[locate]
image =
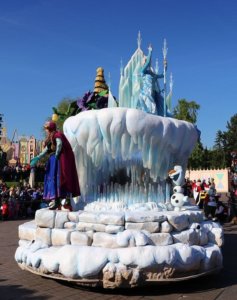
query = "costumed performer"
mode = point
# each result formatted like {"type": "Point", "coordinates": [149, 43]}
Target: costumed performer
{"type": "Point", "coordinates": [150, 94]}
{"type": "Point", "coordinates": [60, 180]}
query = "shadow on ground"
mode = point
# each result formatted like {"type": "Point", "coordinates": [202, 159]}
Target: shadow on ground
{"type": "Point", "coordinates": [18, 292]}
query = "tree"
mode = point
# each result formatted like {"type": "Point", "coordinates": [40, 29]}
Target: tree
{"type": "Point", "coordinates": [196, 158]}
{"type": "Point", "coordinates": [231, 134]}
{"type": "Point", "coordinates": [186, 111]}
{"type": "Point", "coordinates": [220, 140]}
{"type": "Point", "coordinates": [217, 159]}
{"type": "Point", "coordinates": [63, 107]}
{"type": "Point", "coordinates": [218, 153]}
{"type": "Point", "coordinates": [226, 141]}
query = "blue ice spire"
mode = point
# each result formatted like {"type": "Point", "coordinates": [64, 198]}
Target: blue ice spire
{"type": "Point", "coordinates": [139, 40]}
{"type": "Point", "coordinates": [165, 51]}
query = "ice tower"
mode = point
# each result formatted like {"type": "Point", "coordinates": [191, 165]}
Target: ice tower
{"type": "Point", "coordinates": [124, 153]}
{"type": "Point", "coordinates": [139, 85]}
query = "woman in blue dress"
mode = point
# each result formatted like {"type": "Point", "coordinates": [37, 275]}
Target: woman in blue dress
{"type": "Point", "coordinates": [60, 180]}
{"type": "Point", "coordinates": [149, 97]}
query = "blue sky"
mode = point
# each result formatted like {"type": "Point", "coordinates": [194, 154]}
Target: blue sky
{"type": "Point", "coordinates": [50, 49]}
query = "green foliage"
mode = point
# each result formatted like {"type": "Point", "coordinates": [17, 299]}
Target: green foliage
{"type": "Point", "coordinates": [225, 143]}
{"type": "Point", "coordinates": [64, 109]}
{"type": "Point", "coordinates": [13, 184]}
{"type": "Point", "coordinates": [217, 159]}
{"type": "Point", "coordinates": [231, 134]}
{"type": "Point", "coordinates": [195, 160]}
{"type": "Point", "coordinates": [220, 155]}
{"type": "Point", "coordinates": [186, 111]}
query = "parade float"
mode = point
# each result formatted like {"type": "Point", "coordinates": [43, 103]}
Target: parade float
{"type": "Point", "coordinates": [132, 225]}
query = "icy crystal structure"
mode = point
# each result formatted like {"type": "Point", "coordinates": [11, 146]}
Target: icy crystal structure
{"type": "Point", "coordinates": [125, 154]}
{"type": "Point", "coordinates": [130, 80]}
{"type": "Point", "coordinates": [139, 85]}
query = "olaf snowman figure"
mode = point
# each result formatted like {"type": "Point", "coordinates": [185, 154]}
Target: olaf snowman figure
{"type": "Point", "coordinates": [177, 199]}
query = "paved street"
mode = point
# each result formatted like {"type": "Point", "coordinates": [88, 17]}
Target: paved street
{"type": "Point", "coordinates": [18, 284]}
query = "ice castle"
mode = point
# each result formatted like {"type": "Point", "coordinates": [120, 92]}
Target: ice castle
{"type": "Point", "coordinates": [124, 153]}
{"type": "Point", "coordinates": [134, 84]}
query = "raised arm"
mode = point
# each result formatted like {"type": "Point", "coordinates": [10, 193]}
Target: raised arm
{"type": "Point", "coordinates": [148, 60]}
{"type": "Point", "coordinates": [59, 145]}
{"type": "Point", "coordinates": [34, 160]}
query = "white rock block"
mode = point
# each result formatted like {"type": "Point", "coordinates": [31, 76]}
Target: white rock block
{"type": "Point", "coordinates": [161, 239]}
{"type": "Point", "coordinates": [70, 225]}
{"type": "Point", "coordinates": [80, 238]}
{"type": "Point", "coordinates": [132, 238]}
{"type": "Point", "coordinates": [90, 233]}
{"type": "Point", "coordinates": [203, 238]}
{"type": "Point", "coordinates": [107, 218]}
{"type": "Point", "coordinates": [60, 237]}
{"type": "Point", "coordinates": [202, 232]}
{"type": "Point", "coordinates": [178, 221]}
{"type": "Point", "coordinates": [73, 216]}
{"type": "Point", "coordinates": [114, 228]}
{"type": "Point", "coordinates": [145, 216]}
{"type": "Point", "coordinates": [189, 236]}
{"type": "Point", "coordinates": [82, 226]}
{"type": "Point", "coordinates": [27, 231]}
{"type": "Point", "coordinates": [195, 216]}
{"type": "Point", "coordinates": [24, 243]}
{"type": "Point", "coordinates": [213, 258]}
{"type": "Point", "coordinates": [208, 225]}
{"type": "Point", "coordinates": [61, 218]}
{"type": "Point", "coordinates": [111, 218]}
{"type": "Point", "coordinates": [44, 234]}
{"type": "Point", "coordinates": [166, 227]}
{"type": "Point", "coordinates": [89, 217]}
{"type": "Point", "coordinates": [216, 236]}
{"type": "Point", "coordinates": [104, 240]}
{"type": "Point", "coordinates": [149, 226]}
{"type": "Point", "coordinates": [45, 217]}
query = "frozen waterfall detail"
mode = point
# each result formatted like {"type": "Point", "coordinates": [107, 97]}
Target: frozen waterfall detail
{"type": "Point", "coordinates": [125, 154]}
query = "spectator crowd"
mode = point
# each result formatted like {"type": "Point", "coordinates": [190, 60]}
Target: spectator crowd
{"type": "Point", "coordinates": [19, 202]}
{"type": "Point", "coordinates": [20, 173]}
{"type": "Point", "coordinates": [206, 197]}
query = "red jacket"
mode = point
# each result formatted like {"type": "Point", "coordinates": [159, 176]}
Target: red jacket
{"type": "Point", "coordinates": [4, 209]}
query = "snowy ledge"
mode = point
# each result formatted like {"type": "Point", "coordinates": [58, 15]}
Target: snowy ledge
{"type": "Point", "coordinates": [122, 249]}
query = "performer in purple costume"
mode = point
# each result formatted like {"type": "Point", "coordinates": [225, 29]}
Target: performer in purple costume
{"type": "Point", "coordinates": [61, 178]}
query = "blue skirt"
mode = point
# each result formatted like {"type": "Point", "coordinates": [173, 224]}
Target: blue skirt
{"type": "Point", "coordinates": [52, 179]}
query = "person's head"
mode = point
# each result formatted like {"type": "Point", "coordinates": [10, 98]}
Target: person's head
{"type": "Point", "coordinates": [12, 191]}
{"type": "Point", "coordinates": [50, 126]}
